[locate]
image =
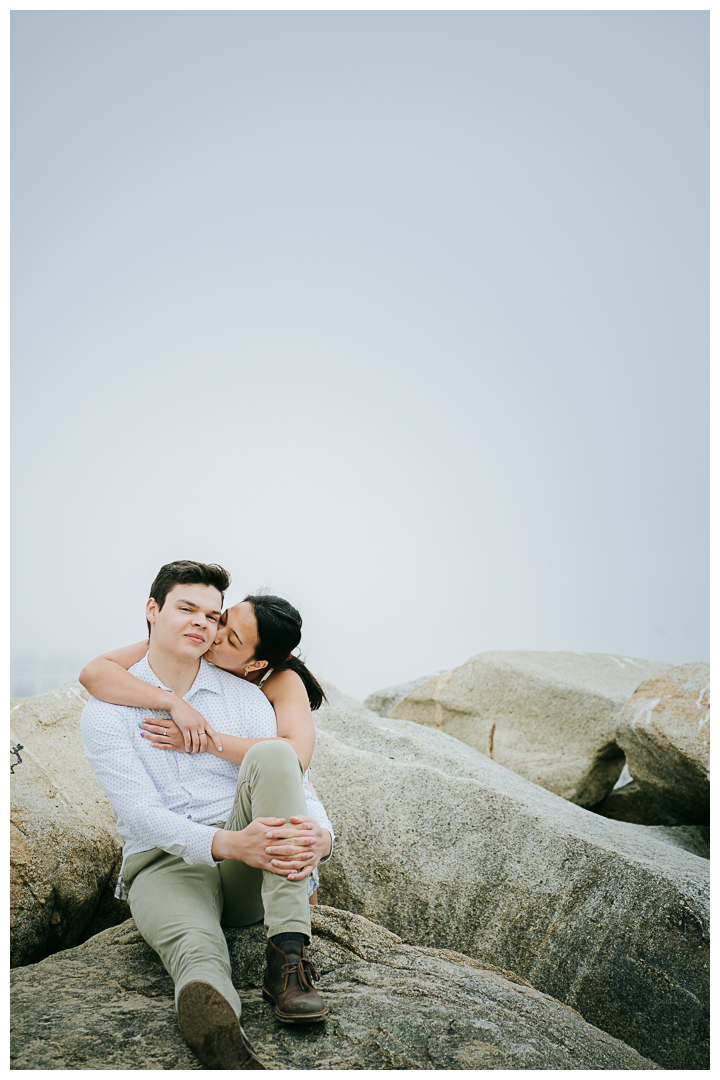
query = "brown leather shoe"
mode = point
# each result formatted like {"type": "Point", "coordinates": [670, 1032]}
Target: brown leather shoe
{"type": "Point", "coordinates": [288, 986]}
{"type": "Point", "coordinates": [212, 1030]}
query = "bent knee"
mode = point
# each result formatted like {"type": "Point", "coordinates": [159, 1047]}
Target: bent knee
{"type": "Point", "coordinates": [275, 752]}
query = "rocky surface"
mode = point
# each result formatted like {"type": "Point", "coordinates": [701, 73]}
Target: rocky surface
{"type": "Point", "coordinates": [449, 849]}
{"type": "Point", "coordinates": [109, 1005]}
{"type": "Point", "coordinates": [693, 838]}
{"type": "Point", "coordinates": [549, 716]}
{"type": "Point", "coordinates": [664, 731]}
{"type": "Point", "coordinates": [64, 850]}
{"type": "Point", "coordinates": [631, 802]}
{"type": "Point", "coordinates": [383, 701]}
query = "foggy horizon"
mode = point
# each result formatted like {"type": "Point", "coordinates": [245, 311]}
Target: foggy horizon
{"type": "Point", "coordinates": [400, 315]}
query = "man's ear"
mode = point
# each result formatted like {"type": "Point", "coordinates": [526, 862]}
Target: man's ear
{"type": "Point", "coordinates": [151, 610]}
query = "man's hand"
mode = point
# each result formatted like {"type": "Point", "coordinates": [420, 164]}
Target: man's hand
{"type": "Point", "coordinates": [298, 857]}
{"type": "Point", "coordinates": [250, 845]}
{"type": "Point", "coordinates": [193, 726]}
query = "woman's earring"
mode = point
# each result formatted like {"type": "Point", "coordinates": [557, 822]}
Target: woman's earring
{"type": "Point", "coordinates": [246, 670]}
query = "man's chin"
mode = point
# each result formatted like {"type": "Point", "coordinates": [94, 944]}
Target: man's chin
{"type": "Point", "coordinates": [195, 651]}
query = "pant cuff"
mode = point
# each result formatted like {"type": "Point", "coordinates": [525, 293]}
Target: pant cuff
{"type": "Point", "coordinates": [289, 928]}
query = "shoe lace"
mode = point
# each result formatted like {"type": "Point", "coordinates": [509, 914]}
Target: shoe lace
{"type": "Point", "coordinates": [305, 971]}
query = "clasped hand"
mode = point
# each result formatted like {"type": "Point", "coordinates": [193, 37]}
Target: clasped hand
{"type": "Point", "coordinates": [187, 731]}
{"type": "Point", "coordinates": [298, 847]}
{"type": "Point", "coordinates": [292, 850]}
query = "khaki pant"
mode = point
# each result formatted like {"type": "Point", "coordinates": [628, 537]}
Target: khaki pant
{"type": "Point", "coordinates": [178, 908]}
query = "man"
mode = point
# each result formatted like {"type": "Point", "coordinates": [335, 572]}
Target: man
{"type": "Point", "coordinates": [197, 835]}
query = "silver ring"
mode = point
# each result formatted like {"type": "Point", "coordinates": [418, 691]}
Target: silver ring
{"type": "Point", "coordinates": [166, 730]}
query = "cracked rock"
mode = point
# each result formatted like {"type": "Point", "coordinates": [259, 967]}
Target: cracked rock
{"type": "Point", "coordinates": [448, 849]}
{"type": "Point", "coordinates": [108, 1004]}
{"type": "Point", "coordinates": [549, 716]}
{"type": "Point", "coordinates": [664, 730]}
{"type": "Point", "coordinates": [64, 849]}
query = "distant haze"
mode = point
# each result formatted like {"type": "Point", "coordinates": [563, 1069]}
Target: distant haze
{"type": "Point", "coordinates": [403, 315]}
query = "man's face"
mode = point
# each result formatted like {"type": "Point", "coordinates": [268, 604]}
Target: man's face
{"type": "Point", "coordinates": [187, 623]}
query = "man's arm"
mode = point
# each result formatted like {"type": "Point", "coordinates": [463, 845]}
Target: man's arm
{"type": "Point", "coordinates": [140, 811]}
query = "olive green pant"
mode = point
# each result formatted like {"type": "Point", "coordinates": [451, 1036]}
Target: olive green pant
{"type": "Point", "coordinates": [179, 908]}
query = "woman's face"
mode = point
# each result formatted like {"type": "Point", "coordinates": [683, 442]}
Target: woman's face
{"type": "Point", "coordinates": [236, 641]}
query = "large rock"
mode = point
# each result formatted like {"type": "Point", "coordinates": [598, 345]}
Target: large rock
{"type": "Point", "coordinates": [449, 849]}
{"type": "Point", "coordinates": [694, 838]}
{"type": "Point", "coordinates": [109, 1005]}
{"type": "Point", "coordinates": [550, 717]}
{"type": "Point", "coordinates": [65, 853]}
{"type": "Point", "coordinates": [637, 804]}
{"type": "Point", "coordinates": [664, 731]}
{"type": "Point", "coordinates": [384, 701]}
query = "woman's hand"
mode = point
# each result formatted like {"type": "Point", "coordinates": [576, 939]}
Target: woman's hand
{"type": "Point", "coordinates": [167, 735]}
{"type": "Point", "coordinates": [301, 846]}
{"type": "Point", "coordinates": [163, 735]}
{"type": "Point", "coordinates": [193, 726]}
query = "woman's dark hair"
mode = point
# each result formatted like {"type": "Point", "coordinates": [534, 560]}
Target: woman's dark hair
{"type": "Point", "coordinates": [279, 631]}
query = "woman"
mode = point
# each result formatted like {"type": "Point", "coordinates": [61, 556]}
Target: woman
{"type": "Point", "coordinates": [254, 641]}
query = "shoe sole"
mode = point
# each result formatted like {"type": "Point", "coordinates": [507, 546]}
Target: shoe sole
{"type": "Point", "coordinates": [212, 1030]}
{"type": "Point", "coordinates": [288, 1018]}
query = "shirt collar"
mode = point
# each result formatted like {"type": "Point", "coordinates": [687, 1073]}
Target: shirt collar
{"type": "Point", "coordinates": [207, 677]}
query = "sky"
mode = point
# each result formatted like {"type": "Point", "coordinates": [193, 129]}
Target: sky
{"type": "Point", "coordinates": [400, 315]}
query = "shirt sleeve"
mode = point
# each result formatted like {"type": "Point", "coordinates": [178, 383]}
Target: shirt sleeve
{"type": "Point", "coordinates": [141, 815]}
{"type": "Point", "coordinates": [317, 811]}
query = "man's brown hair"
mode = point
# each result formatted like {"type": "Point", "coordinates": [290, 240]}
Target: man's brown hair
{"type": "Point", "coordinates": [186, 572]}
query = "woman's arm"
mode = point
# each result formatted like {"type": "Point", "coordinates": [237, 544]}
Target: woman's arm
{"type": "Point", "coordinates": [166, 735]}
{"type": "Point", "coordinates": [108, 679]}
{"type": "Point", "coordinates": [286, 693]}
{"type": "Point", "coordinates": [288, 697]}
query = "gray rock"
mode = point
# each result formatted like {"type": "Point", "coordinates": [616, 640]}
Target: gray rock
{"type": "Point", "coordinates": [337, 698]}
{"type": "Point", "coordinates": [383, 701]}
{"type": "Point", "coordinates": [109, 1005]}
{"type": "Point", "coordinates": [631, 802]}
{"type": "Point", "coordinates": [664, 730]}
{"type": "Point", "coordinates": [694, 838]}
{"type": "Point", "coordinates": [449, 849]}
{"type": "Point", "coordinates": [549, 716]}
{"type": "Point", "coordinates": [65, 853]}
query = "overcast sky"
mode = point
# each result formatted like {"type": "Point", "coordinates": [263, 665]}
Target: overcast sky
{"type": "Point", "coordinates": [401, 315]}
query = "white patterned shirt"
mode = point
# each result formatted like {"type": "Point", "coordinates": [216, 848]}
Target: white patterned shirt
{"type": "Point", "coordinates": [172, 800]}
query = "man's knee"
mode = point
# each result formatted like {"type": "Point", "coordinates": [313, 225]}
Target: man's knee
{"type": "Point", "coordinates": [274, 754]}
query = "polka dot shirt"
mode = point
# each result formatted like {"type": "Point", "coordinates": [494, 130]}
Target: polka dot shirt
{"type": "Point", "coordinates": [172, 800]}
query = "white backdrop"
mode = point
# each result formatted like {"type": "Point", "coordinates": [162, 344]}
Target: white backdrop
{"type": "Point", "coordinates": [402, 315]}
